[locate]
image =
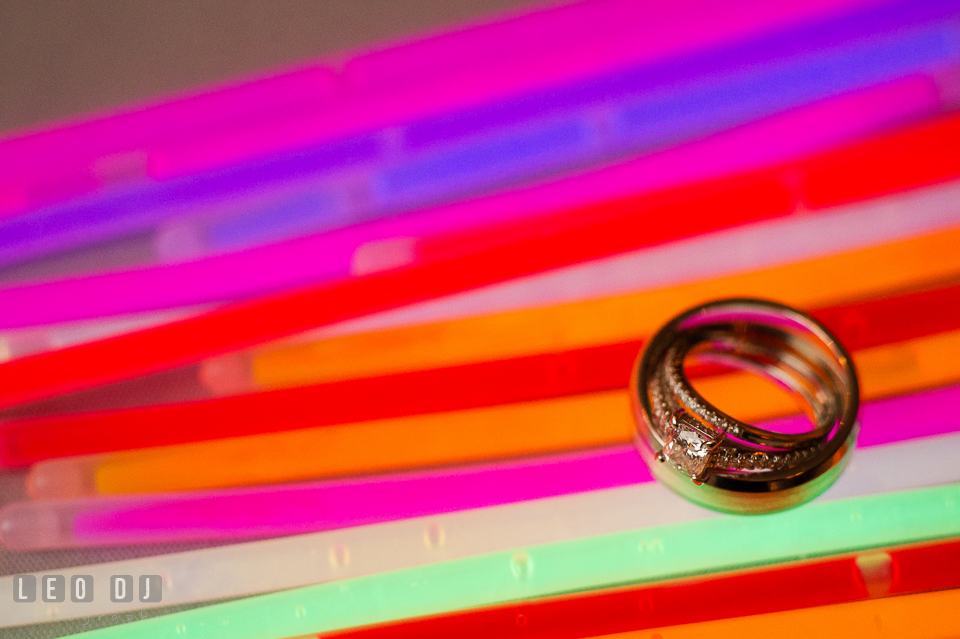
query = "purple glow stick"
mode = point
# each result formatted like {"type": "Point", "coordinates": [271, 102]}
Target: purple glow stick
{"type": "Point", "coordinates": [316, 506]}
{"type": "Point", "coordinates": [489, 63]}
{"type": "Point", "coordinates": [391, 242]}
{"type": "Point", "coordinates": [479, 63]}
{"type": "Point", "coordinates": [560, 132]}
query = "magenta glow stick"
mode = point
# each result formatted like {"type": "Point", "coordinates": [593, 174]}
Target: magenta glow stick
{"type": "Point", "coordinates": [512, 141]}
{"type": "Point", "coordinates": [91, 155]}
{"type": "Point", "coordinates": [391, 242]}
{"type": "Point", "coordinates": [489, 63]}
{"type": "Point", "coordinates": [478, 64]}
{"type": "Point", "coordinates": [316, 506]}
{"type": "Point", "coordinates": [799, 132]}
{"type": "Point", "coordinates": [581, 35]}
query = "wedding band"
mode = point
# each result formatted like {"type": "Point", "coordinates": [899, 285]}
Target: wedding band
{"type": "Point", "coordinates": [718, 461]}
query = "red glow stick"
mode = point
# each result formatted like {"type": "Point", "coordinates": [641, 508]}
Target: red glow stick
{"type": "Point", "coordinates": [920, 154]}
{"type": "Point", "coordinates": [895, 571]}
{"type": "Point", "coordinates": [23, 442]}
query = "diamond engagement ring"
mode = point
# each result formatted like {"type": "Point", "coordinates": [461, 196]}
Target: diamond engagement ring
{"type": "Point", "coordinates": [712, 458]}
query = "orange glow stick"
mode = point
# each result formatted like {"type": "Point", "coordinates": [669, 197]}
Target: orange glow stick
{"type": "Point", "coordinates": [922, 616]}
{"type": "Point", "coordinates": [815, 283]}
{"type": "Point", "coordinates": [508, 430]}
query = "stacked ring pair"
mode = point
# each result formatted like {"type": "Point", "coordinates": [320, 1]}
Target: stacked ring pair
{"type": "Point", "coordinates": [718, 461]}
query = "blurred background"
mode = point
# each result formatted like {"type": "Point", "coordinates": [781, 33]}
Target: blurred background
{"type": "Point", "coordinates": [61, 61]}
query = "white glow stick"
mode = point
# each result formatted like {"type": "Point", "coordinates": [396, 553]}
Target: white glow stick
{"type": "Point", "coordinates": [277, 564]}
{"type": "Point", "coordinates": [750, 247]}
{"type": "Point", "coordinates": [20, 342]}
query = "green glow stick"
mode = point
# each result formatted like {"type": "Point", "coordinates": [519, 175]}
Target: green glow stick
{"type": "Point", "coordinates": [651, 554]}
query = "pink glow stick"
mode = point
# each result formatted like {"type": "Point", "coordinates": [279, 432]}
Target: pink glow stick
{"type": "Point", "coordinates": [408, 81]}
{"type": "Point", "coordinates": [563, 41]}
{"type": "Point", "coordinates": [492, 62]}
{"type": "Point", "coordinates": [315, 506]}
{"type": "Point", "coordinates": [334, 255]}
{"type": "Point", "coordinates": [87, 156]}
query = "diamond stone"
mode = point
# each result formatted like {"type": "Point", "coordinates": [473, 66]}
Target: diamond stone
{"type": "Point", "coordinates": [689, 444]}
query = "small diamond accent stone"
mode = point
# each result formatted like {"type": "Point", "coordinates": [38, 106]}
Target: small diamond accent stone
{"type": "Point", "coordinates": [689, 444]}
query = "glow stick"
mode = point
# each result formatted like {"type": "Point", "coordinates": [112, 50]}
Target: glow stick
{"type": "Point", "coordinates": [86, 429]}
{"type": "Point", "coordinates": [280, 564]}
{"type": "Point", "coordinates": [461, 90]}
{"type": "Point", "coordinates": [855, 173]}
{"type": "Point", "coordinates": [22, 342]}
{"type": "Point", "coordinates": [648, 555]}
{"type": "Point", "coordinates": [877, 573]}
{"type": "Point", "coordinates": [509, 430]}
{"type": "Point", "coordinates": [590, 322]}
{"type": "Point", "coordinates": [337, 254]}
{"type": "Point", "coordinates": [747, 248]}
{"type": "Point", "coordinates": [294, 509]}
{"type": "Point", "coordinates": [916, 616]}
{"type": "Point", "coordinates": [371, 99]}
